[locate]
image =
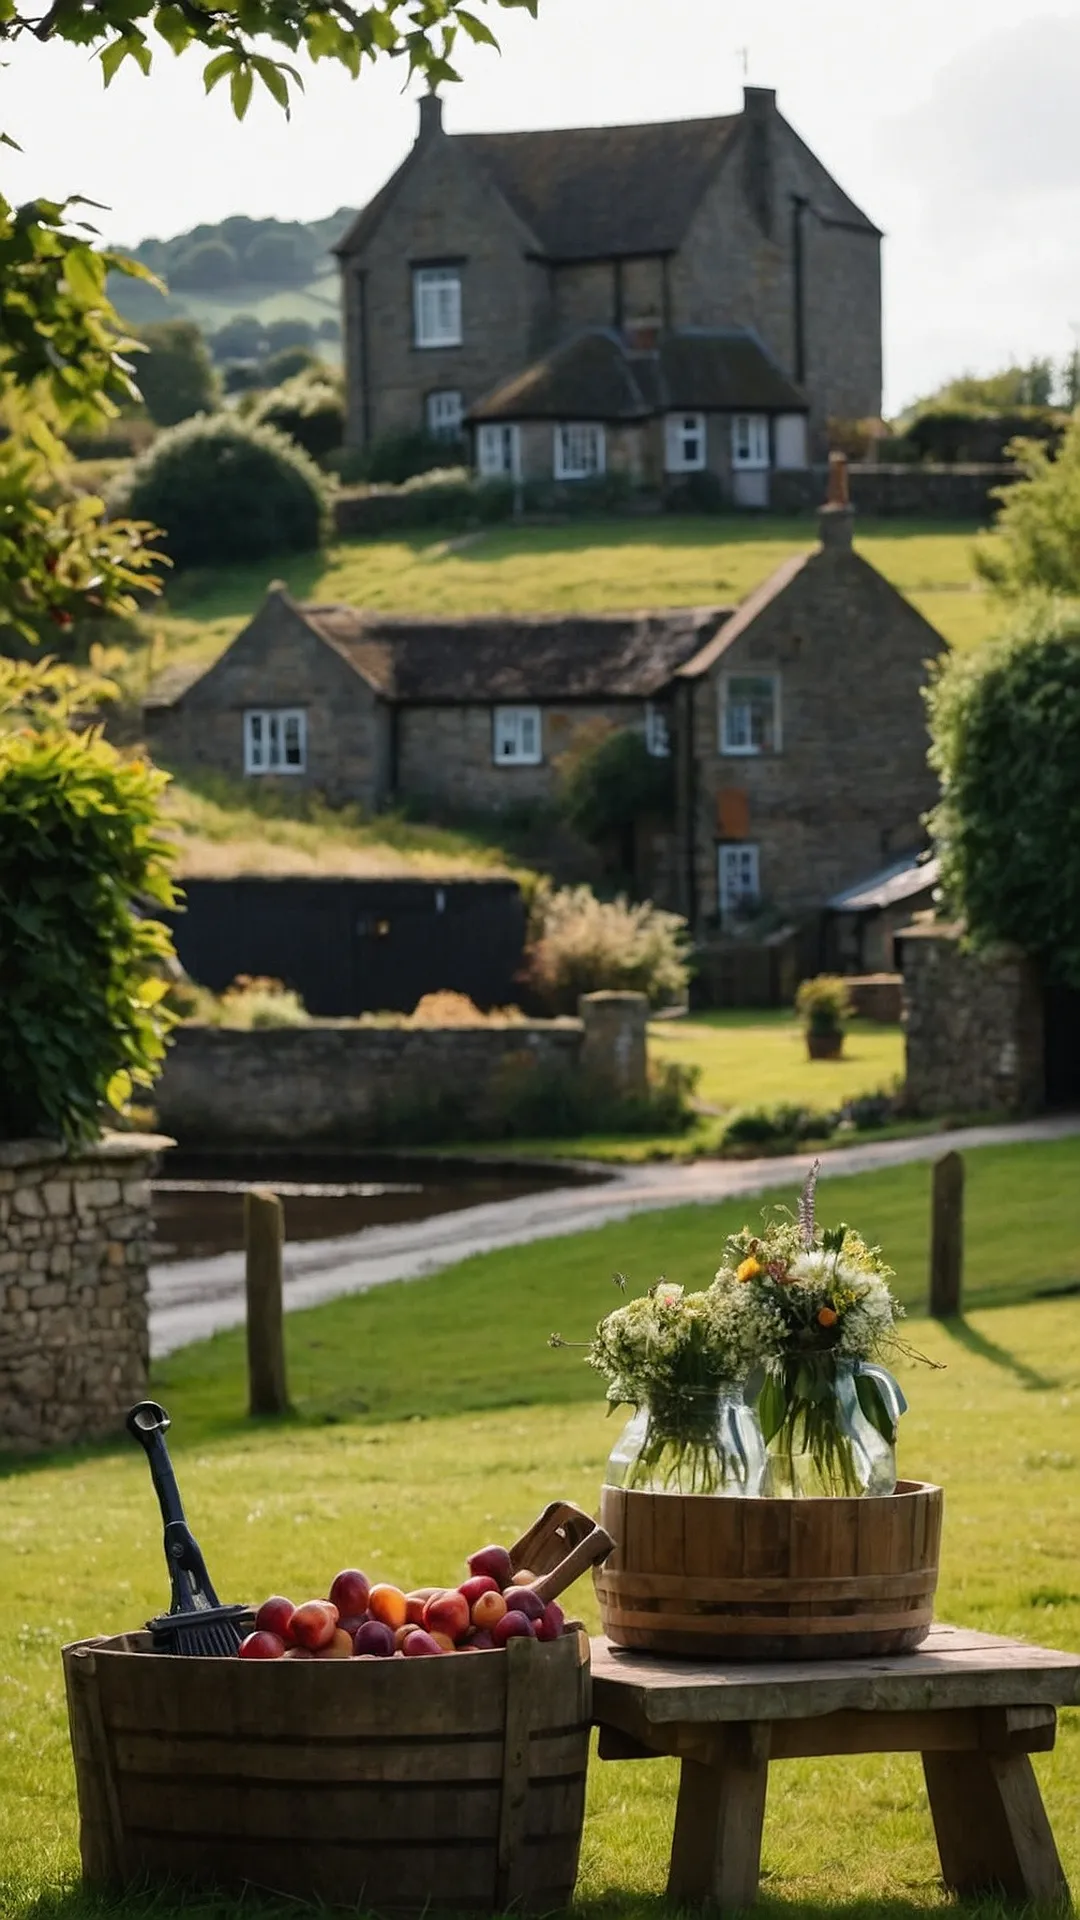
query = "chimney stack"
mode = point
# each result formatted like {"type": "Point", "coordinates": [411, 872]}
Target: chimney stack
{"type": "Point", "coordinates": [757, 100]}
{"type": "Point", "coordinates": [430, 116]}
{"type": "Point", "coordinates": [836, 517]}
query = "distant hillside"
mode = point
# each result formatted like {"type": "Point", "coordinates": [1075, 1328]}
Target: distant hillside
{"type": "Point", "coordinates": [274, 269]}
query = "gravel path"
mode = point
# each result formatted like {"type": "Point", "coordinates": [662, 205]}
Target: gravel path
{"type": "Point", "coordinates": [190, 1299]}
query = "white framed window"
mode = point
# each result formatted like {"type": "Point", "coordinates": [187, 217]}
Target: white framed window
{"type": "Point", "coordinates": [684, 438]}
{"type": "Point", "coordinates": [444, 413]}
{"type": "Point", "coordinates": [516, 737]}
{"type": "Point", "coordinates": [437, 306]}
{"type": "Point", "coordinates": [580, 451]}
{"type": "Point", "coordinates": [749, 713]}
{"type": "Point", "coordinates": [750, 440]}
{"type": "Point", "coordinates": [738, 877]}
{"type": "Point", "coordinates": [657, 734]}
{"type": "Point", "coordinates": [498, 452]}
{"type": "Point", "coordinates": [275, 740]}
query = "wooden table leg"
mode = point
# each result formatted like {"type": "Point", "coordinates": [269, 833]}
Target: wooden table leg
{"type": "Point", "coordinates": [991, 1827]}
{"type": "Point", "coordinates": [716, 1849]}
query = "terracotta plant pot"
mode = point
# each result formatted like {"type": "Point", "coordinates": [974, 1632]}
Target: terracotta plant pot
{"type": "Point", "coordinates": [824, 1046]}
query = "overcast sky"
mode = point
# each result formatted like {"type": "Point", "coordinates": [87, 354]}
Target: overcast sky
{"type": "Point", "coordinates": [954, 123]}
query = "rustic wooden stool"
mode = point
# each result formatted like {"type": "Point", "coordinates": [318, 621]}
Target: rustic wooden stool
{"type": "Point", "coordinates": [973, 1705]}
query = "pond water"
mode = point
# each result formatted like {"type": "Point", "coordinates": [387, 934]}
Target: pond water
{"type": "Point", "coordinates": [199, 1204]}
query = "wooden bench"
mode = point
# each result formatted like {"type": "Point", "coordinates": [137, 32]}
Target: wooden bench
{"type": "Point", "coordinates": [973, 1705]}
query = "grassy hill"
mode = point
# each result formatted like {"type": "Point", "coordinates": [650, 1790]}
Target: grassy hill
{"type": "Point", "coordinates": [274, 269]}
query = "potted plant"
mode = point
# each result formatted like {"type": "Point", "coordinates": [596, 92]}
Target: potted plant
{"type": "Point", "coordinates": [824, 1005]}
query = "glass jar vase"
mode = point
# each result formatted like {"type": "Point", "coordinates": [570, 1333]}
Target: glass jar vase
{"type": "Point", "coordinates": [711, 1445]}
{"type": "Point", "coordinates": [836, 1434]}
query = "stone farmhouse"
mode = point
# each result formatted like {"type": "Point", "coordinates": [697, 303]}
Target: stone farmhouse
{"type": "Point", "coordinates": [665, 300]}
{"type": "Point", "coordinates": [794, 723]}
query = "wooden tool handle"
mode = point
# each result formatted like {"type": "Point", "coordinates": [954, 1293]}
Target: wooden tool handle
{"type": "Point", "coordinates": [587, 1543]}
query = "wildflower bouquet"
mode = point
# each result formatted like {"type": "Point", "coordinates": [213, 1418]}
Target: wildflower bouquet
{"type": "Point", "coordinates": [813, 1311]}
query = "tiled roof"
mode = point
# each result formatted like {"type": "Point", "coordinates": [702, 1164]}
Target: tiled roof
{"type": "Point", "coordinates": [596, 377]}
{"type": "Point", "coordinates": [593, 192]}
{"type": "Point", "coordinates": [516, 656]}
{"type": "Point", "coordinates": [904, 880]}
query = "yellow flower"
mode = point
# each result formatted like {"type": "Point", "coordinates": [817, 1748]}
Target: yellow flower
{"type": "Point", "coordinates": [827, 1317]}
{"type": "Point", "coordinates": [749, 1269]}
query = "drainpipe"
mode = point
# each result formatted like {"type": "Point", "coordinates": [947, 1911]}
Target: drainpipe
{"type": "Point", "coordinates": [365, 370]}
{"type": "Point", "coordinates": [690, 806]}
{"type": "Point", "coordinates": [799, 205]}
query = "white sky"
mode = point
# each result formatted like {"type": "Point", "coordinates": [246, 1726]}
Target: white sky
{"type": "Point", "coordinates": [952, 122]}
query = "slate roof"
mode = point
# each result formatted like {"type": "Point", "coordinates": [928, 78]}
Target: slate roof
{"type": "Point", "coordinates": [595, 376]}
{"type": "Point", "coordinates": [516, 657]}
{"type": "Point", "coordinates": [593, 192]}
{"type": "Point", "coordinates": [903, 880]}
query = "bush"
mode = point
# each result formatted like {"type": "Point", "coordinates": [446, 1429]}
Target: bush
{"type": "Point", "coordinates": [972, 435]}
{"type": "Point", "coordinates": [310, 409]}
{"type": "Point", "coordinates": [224, 490]}
{"type": "Point", "coordinates": [1036, 542]}
{"type": "Point", "coordinates": [282, 334]}
{"type": "Point", "coordinates": [579, 944]}
{"type": "Point", "coordinates": [534, 1101]}
{"type": "Point", "coordinates": [398, 457]}
{"type": "Point", "coordinates": [439, 499]}
{"type": "Point", "coordinates": [176, 374]}
{"type": "Point", "coordinates": [256, 1001]}
{"type": "Point", "coordinates": [824, 1003]}
{"type": "Point", "coordinates": [81, 857]}
{"type": "Point", "coordinates": [779, 1127]}
{"type": "Point", "coordinates": [1005, 726]}
{"type": "Point", "coordinates": [288, 362]}
{"type": "Point", "coordinates": [610, 781]}
{"type": "Point", "coordinates": [204, 268]}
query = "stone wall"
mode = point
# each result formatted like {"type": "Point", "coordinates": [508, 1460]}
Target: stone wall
{"type": "Point", "coordinates": [924, 492]}
{"type": "Point", "coordinates": [446, 754]}
{"type": "Point", "coordinates": [336, 1083]}
{"type": "Point", "coordinates": [74, 1244]}
{"type": "Point", "coordinates": [974, 1038]}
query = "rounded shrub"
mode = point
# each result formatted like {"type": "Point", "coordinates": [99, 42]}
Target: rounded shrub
{"type": "Point", "coordinates": [204, 268]}
{"type": "Point", "coordinates": [226, 489]}
{"type": "Point", "coordinates": [309, 409]}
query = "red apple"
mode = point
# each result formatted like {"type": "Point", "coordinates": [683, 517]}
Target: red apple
{"type": "Point", "coordinates": [550, 1626]}
{"type": "Point", "coordinates": [340, 1647]}
{"type": "Point", "coordinates": [420, 1643]}
{"type": "Point", "coordinates": [375, 1638]}
{"type": "Point", "coordinates": [512, 1626]}
{"type": "Point", "coordinates": [314, 1624]}
{"type": "Point", "coordinates": [262, 1646]}
{"type": "Point", "coordinates": [349, 1592]}
{"type": "Point", "coordinates": [478, 1584]}
{"type": "Point", "coordinates": [274, 1616]}
{"type": "Point", "coordinates": [416, 1601]}
{"type": "Point", "coordinates": [525, 1601]}
{"type": "Point", "coordinates": [448, 1613]}
{"type": "Point", "coordinates": [489, 1608]}
{"type": "Point", "coordinates": [495, 1562]}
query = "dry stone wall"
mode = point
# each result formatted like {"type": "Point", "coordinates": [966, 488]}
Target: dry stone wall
{"type": "Point", "coordinates": [74, 1246]}
{"type": "Point", "coordinates": [974, 1027]}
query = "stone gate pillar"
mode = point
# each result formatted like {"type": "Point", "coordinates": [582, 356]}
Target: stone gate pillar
{"type": "Point", "coordinates": [613, 1048]}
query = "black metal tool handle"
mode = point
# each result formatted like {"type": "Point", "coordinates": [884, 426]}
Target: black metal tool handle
{"type": "Point", "coordinates": [192, 1590]}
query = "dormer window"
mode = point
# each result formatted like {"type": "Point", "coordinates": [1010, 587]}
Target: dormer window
{"type": "Point", "coordinates": [437, 306]}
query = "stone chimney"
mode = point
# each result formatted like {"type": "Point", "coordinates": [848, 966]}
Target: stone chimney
{"type": "Point", "coordinates": [430, 116]}
{"type": "Point", "coordinates": [836, 517]}
{"type": "Point", "coordinates": [759, 106]}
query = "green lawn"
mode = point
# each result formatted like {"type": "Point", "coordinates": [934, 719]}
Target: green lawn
{"type": "Point", "coordinates": [585, 566]}
{"type": "Point", "coordinates": [434, 1416]}
{"type": "Point", "coordinates": [754, 1058]}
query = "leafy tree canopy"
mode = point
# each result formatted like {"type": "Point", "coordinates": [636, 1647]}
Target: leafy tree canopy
{"type": "Point", "coordinates": [176, 373]}
{"type": "Point", "coordinates": [1005, 721]}
{"type": "Point", "coordinates": [423, 32]}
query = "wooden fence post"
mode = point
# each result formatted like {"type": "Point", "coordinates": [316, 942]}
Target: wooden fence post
{"type": "Point", "coordinates": [264, 1235]}
{"type": "Point", "coordinates": [947, 1237]}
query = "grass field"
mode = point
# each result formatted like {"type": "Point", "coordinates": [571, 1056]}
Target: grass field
{"type": "Point", "coordinates": [586, 566]}
{"type": "Point", "coordinates": [448, 1383]}
{"type": "Point", "coordinates": [753, 1058]}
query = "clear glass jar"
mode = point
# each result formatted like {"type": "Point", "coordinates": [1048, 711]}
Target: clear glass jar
{"type": "Point", "coordinates": [718, 1448]}
{"type": "Point", "coordinates": [838, 1433]}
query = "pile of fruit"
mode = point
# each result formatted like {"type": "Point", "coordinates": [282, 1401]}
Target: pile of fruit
{"type": "Point", "coordinates": [359, 1621]}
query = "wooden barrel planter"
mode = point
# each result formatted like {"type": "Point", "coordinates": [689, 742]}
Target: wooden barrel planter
{"type": "Point", "coordinates": [715, 1578]}
{"type": "Point", "coordinates": [387, 1785]}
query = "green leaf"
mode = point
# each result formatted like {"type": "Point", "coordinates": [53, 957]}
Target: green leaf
{"type": "Point", "coordinates": [273, 73]}
{"type": "Point", "coordinates": [84, 272]}
{"type": "Point", "coordinates": [477, 29]}
{"type": "Point", "coordinates": [217, 68]}
{"type": "Point", "coordinates": [771, 1407]}
{"type": "Point", "coordinates": [240, 89]}
{"type": "Point", "coordinates": [873, 1405]}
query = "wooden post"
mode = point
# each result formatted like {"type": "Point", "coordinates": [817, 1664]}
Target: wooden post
{"type": "Point", "coordinates": [268, 1392]}
{"type": "Point", "coordinates": [947, 1237]}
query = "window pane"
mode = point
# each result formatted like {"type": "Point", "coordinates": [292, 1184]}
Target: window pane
{"type": "Point", "coordinates": [293, 753]}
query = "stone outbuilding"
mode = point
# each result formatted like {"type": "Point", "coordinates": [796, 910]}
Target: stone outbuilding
{"type": "Point", "coordinates": [794, 724]}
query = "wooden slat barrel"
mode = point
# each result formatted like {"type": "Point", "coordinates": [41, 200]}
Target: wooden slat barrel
{"type": "Point", "coordinates": [388, 1785]}
{"type": "Point", "coordinates": [770, 1579]}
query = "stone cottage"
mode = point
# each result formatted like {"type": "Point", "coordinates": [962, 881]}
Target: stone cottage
{"type": "Point", "coordinates": [667, 299]}
{"type": "Point", "coordinates": [794, 723]}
